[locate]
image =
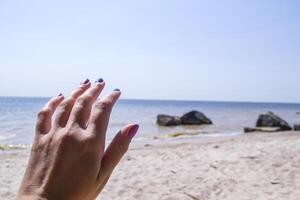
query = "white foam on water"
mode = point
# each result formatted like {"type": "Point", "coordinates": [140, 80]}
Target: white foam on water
{"type": "Point", "coordinates": [7, 136]}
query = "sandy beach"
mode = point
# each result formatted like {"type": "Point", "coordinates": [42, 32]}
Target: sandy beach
{"type": "Point", "coordinates": [246, 167]}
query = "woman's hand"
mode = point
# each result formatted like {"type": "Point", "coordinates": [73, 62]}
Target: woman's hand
{"type": "Point", "coordinates": [68, 157]}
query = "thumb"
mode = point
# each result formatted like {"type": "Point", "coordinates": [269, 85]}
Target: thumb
{"type": "Point", "coordinates": [117, 149]}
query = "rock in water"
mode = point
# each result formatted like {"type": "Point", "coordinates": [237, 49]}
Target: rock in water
{"type": "Point", "coordinates": [271, 120]}
{"type": "Point", "coordinates": [297, 127]}
{"type": "Point", "coordinates": [167, 120]}
{"type": "Point", "coordinates": [195, 118]}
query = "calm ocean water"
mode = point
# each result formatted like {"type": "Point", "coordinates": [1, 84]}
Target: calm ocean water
{"type": "Point", "coordinates": [17, 116]}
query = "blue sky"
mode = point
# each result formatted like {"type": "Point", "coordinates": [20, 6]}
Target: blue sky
{"type": "Point", "coordinates": [189, 49]}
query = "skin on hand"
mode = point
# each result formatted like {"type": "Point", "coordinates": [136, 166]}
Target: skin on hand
{"type": "Point", "coordinates": [68, 158]}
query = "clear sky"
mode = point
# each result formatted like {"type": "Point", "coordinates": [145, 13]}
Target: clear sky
{"type": "Point", "coordinates": [189, 49]}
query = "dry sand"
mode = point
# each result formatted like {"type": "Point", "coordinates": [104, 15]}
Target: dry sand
{"type": "Point", "coordinates": [253, 166]}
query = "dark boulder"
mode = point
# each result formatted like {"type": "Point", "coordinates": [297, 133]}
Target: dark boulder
{"type": "Point", "coordinates": [296, 127]}
{"type": "Point", "coordinates": [195, 118]}
{"type": "Point", "coordinates": [271, 120]}
{"type": "Point", "coordinates": [167, 120]}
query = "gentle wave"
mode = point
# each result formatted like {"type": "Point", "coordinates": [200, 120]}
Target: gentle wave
{"type": "Point", "coordinates": [7, 136]}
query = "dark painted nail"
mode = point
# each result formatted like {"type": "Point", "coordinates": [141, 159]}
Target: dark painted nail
{"type": "Point", "coordinates": [85, 81]}
{"type": "Point", "coordinates": [60, 94]}
{"type": "Point", "coordinates": [132, 132]}
{"type": "Point", "coordinates": [99, 80]}
{"type": "Point", "coordinates": [117, 90]}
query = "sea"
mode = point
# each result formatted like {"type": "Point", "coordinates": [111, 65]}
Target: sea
{"type": "Point", "coordinates": [18, 117]}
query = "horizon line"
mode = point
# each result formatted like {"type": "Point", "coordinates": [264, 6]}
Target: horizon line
{"type": "Point", "coordinates": [186, 100]}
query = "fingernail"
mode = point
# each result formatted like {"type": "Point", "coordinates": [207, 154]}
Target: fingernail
{"type": "Point", "coordinates": [117, 90]}
{"type": "Point", "coordinates": [132, 132]}
{"type": "Point", "coordinates": [85, 81]}
{"type": "Point", "coordinates": [99, 80]}
{"type": "Point", "coordinates": [60, 94]}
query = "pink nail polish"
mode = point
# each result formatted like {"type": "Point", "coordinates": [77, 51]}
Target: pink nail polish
{"type": "Point", "coordinates": [132, 132]}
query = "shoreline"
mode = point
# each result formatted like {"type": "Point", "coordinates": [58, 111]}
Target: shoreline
{"type": "Point", "coordinates": [247, 166]}
{"type": "Point", "coordinates": [140, 140]}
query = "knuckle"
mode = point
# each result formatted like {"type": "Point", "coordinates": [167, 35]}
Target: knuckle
{"type": "Point", "coordinates": [84, 101]}
{"type": "Point", "coordinates": [70, 101]}
{"type": "Point", "coordinates": [70, 133]}
{"type": "Point", "coordinates": [44, 112]}
{"type": "Point", "coordinates": [67, 138]}
{"type": "Point", "coordinates": [104, 105]}
{"type": "Point", "coordinates": [91, 139]}
{"type": "Point", "coordinates": [73, 140]}
{"type": "Point", "coordinates": [65, 105]}
{"type": "Point", "coordinates": [122, 148]}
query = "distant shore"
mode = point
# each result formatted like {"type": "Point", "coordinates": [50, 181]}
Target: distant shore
{"type": "Point", "coordinates": [249, 166]}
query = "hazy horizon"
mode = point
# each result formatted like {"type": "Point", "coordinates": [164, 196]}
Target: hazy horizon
{"type": "Point", "coordinates": [245, 51]}
{"type": "Point", "coordinates": [180, 100]}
